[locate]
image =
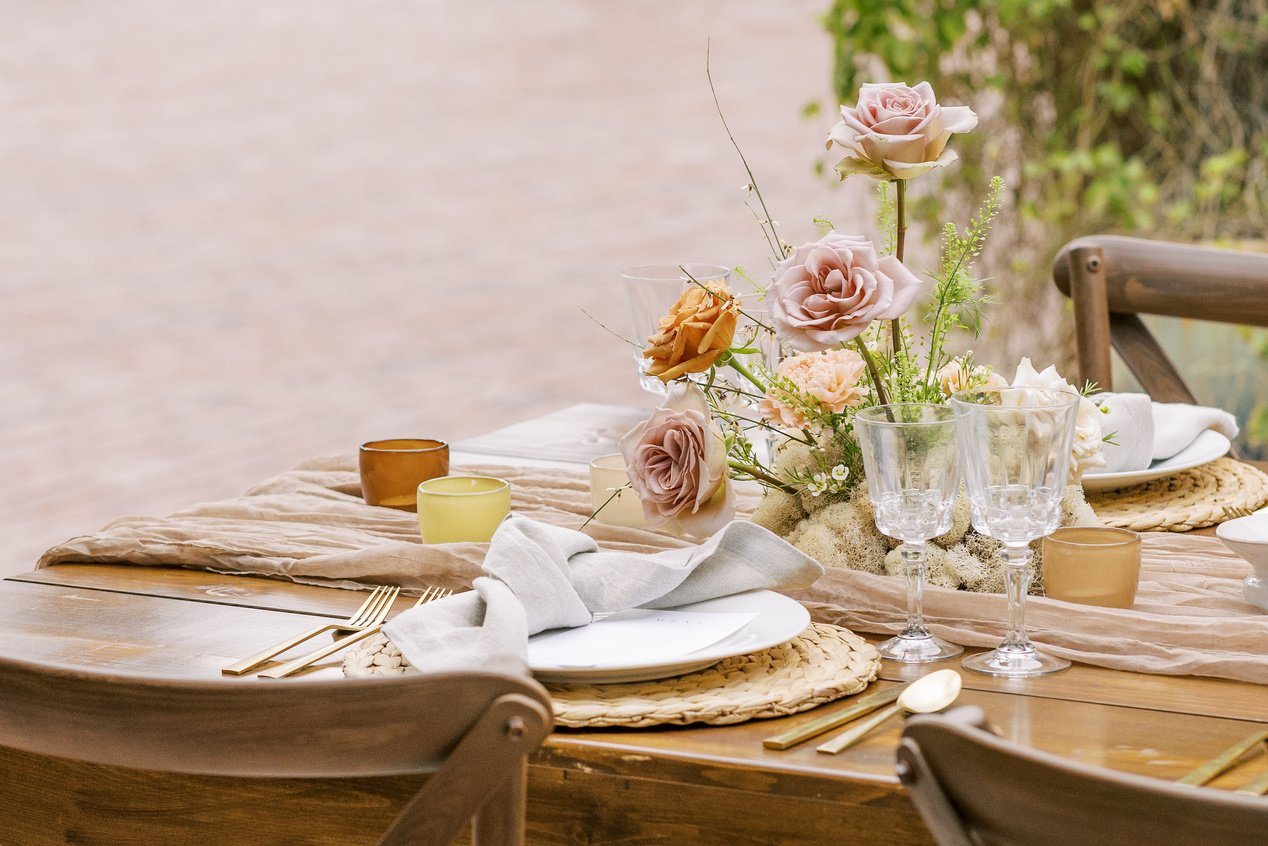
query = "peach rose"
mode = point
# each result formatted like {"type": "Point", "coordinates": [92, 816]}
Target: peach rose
{"type": "Point", "coordinates": [956, 375]}
{"type": "Point", "coordinates": [897, 132]}
{"type": "Point", "coordinates": [698, 329]}
{"type": "Point", "coordinates": [831, 378]}
{"type": "Point", "coordinates": [677, 463]}
{"type": "Point", "coordinates": [829, 291]}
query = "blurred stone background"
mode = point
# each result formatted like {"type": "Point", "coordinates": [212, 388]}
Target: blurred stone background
{"type": "Point", "coordinates": [234, 235]}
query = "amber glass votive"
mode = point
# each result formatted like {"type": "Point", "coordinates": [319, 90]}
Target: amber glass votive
{"type": "Point", "coordinates": [1092, 566]}
{"type": "Point", "coordinates": [609, 483]}
{"type": "Point", "coordinates": [392, 469]}
{"type": "Point", "coordinates": [453, 509]}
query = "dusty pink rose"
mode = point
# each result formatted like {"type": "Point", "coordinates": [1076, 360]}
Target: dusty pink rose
{"type": "Point", "coordinates": [896, 132]}
{"type": "Point", "coordinates": [828, 292]}
{"type": "Point", "coordinates": [677, 464]}
{"type": "Point", "coordinates": [830, 377]}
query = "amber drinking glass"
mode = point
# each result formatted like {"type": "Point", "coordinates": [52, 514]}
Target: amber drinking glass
{"type": "Point", "coordinates": [391, 470]}
{"type": "Point", "coordinates": [1092, 565]}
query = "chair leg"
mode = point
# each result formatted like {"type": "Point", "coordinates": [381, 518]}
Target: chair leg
{"type": "Point", "coordinates": [484, 773]}
{"type": "Point", "coordinates": [501, 821]}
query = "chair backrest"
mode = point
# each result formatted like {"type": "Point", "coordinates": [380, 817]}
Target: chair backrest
{"type": "Point", "coordinates": [1112, 279]}
{"type": "Point", "coordinates": [472, 730]}
{"type": "Point", "coordinates": [973, 788]}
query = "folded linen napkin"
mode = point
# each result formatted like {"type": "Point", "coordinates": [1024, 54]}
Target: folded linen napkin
{"type": "Point", "coordinates": [544, 577]}
{"type": "Point", "coordinates": [1146, 431]}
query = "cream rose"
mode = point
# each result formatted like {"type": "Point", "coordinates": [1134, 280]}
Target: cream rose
{"type": "Point", "coordinates": [829, 291]}
{"type": "Point", "coordinates": [830, 378]}
{"type": "Point", "coordinates": [897, 132]}
{"type": "Point", "coordinates": [1087, 452]}
{"type": "Point", "coordinates": [677, 463]}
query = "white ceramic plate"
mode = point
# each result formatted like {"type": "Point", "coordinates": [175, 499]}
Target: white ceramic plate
{"type": "Point", "coordinates": [779, 619]}
{"type": "Point", "coordinates": [1207, 447]}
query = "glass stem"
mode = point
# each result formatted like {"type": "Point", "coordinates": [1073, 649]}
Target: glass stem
{"type": "Point", "coordinates": [914, 561]}
{"type": "Point", "coordinates": [1017, 576]}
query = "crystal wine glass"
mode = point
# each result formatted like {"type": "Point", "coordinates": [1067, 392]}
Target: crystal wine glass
{"type": "Point", "coordinates": [909, 455]}
{"type": "Point", "coordinates": [1015, 451]}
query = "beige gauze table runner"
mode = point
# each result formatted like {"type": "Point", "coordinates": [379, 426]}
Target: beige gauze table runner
{"type": "Point", "coordinates": [310, 525]}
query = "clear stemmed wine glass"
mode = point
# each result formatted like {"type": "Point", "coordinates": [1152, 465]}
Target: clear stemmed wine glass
{"type": "Point", "coordinates": [909, 455]}
{"type": "Point", "coordinates": [1015, 452]}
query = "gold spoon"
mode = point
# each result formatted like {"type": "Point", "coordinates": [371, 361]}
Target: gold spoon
{"type": "Point", "coordinates": [924, 696]}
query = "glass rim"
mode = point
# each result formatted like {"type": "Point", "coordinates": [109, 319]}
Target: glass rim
{"type": "Point", "coordinates": [376, 446]}
{"type": "Point", "coordinates": [596, 465]}
{"type": "Point", "coordinates": [671, 273]}
{"type": "Point", "coordinates": [502, 484]}
{"type": "Point", "coordinates": [860, 414]}
{"type": "Point", "coordinates": [1125, 536]}
{"type": "Point", "coordinates": [1070, 398]}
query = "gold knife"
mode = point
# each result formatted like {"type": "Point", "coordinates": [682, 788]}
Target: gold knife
{"type": "Point", "coordinates": [827, 722]}
{"type": "Point", "coordinates": [1224, 761]}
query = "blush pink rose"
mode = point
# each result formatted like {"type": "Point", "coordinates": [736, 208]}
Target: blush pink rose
{"type": "Point", "coordinates": [831, 378]}
{"type": "Point", "coordinates": [677, 463]}
{"type": "Point", "coordinates": [897, 132]}
{"type": "Point", "coordinates": [828, 292]}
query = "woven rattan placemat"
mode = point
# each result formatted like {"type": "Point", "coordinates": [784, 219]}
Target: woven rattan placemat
{"type": "Point", "coordinates": [823, 663]}
{"type": "Point", "coordinates": [1192, 499]}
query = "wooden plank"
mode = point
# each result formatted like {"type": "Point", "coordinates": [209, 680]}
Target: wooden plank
{"type": "Point", "coordinates": [246, 591]}
{"type": "Point", "coordinates": [576, 434]}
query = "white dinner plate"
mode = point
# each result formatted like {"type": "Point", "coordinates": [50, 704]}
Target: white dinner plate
{"type": "Point", "coordinates": [1207, 447]}
{"type": "Point", "coordinates": [779, 619]}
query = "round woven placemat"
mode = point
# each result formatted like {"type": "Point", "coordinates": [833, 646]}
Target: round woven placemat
{"type": "Point", "coordinates": [823, 663]}
{"type": "Point", "coordinates": [1192, 499]}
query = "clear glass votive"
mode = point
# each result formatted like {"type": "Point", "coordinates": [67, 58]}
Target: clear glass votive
{"type": "Point", "coordinates": [392, 469]}
{"type": "Point", "coordinates": [1092, 566]}
{"type": "Point", "coordinates": [650, 291]}
{"type": "Point", "coordinates": [609, 481]}
{"type": "Point", "coordinates": [457, 509]}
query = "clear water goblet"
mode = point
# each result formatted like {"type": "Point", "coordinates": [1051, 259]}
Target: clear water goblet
{"type": "Point", "coordinates": [910, 460]}
{"type": "Point", "coordinates": [1015, 453]}
{"type": "Point", "coordinates": [650, 292]}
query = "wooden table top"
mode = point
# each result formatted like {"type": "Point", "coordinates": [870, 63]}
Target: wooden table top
{"type": "Point", "coordinates": [186, 623]}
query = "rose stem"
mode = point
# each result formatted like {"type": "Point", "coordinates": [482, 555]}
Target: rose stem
{"type": "Point", "coordinates": [743, 370]}
{"type": "Point", "coordinates": [900, 241]}
{"type": "Point", "coordinates": [872, 371]}
{"type": "Point", "coordinates": [615, 493]}
{"type": "Point", "coordinates": [760, 475]}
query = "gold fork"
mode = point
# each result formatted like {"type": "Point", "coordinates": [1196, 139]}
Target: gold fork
{"type": "Point", "coordinates": [1232, 512]}
{"type": "Point", "coordinates": [372, 611]}
{"type": "Point", "coordinates": [292, 667]}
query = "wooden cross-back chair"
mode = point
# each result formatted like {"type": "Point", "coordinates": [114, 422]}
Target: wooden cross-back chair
{"type": "Point", "coordinates": [1112, 279]}
{"type": "Point", "coordinates": [473, 731]}
{"type": "Point", "coordinates": [973, 788]}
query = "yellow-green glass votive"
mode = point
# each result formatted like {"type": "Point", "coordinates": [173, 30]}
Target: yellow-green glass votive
{"type": "Point", "coordinates": [607, 475]}
{"type": "Point", "coordinates": [1092, 566]}
{"type": "Point", "coordinates": [456, 509]}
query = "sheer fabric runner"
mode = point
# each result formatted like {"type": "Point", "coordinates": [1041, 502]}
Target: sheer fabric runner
{"type": "Point", "coordinates": [310, 525]}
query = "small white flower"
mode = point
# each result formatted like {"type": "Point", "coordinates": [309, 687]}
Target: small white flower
{"type": "Point", "coordinates": [820, 479]}
{"type": "Point", "coordinates": [840, 472]}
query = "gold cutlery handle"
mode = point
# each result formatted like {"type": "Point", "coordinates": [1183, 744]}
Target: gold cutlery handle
{"type": "Point", "coordinates": [1258, 787]}
{"type": "Point", "coordinates": [291, 667]}
{"type": "Point", "coordinates": [816, 727]}
{"type": "Point", "coordinates": [1226, 760]}
{"type": "Point", "coordinates": [246, 665]}
{"type": "Point", "coordinates": [851, 735]}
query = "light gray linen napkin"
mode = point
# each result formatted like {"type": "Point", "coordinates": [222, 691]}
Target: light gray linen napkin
{"type": "Point", "coordinates": [1146, 431]}
{"type": "Point", "coordinates": [544, 577]}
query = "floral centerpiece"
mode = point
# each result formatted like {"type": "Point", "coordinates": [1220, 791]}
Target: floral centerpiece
{"type": "Point", "coordinates": [841, 310]}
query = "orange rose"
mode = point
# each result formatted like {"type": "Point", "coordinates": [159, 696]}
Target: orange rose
{"type": "Point", "coordinates": [698, 329]}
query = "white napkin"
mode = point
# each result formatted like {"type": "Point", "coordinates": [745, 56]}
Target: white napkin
{"type": "Point", "coordinates": [544, 577]}
{"type": "Point", "coordinates": [1146, 431]}
{"type": "Point", "coordinates": [1129, 418]}
{"type": "Point", "coordinates": [1177, 425]}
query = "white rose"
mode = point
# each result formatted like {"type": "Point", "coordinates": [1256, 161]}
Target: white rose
{"type": "Point", "coordinates": [1087, 452]}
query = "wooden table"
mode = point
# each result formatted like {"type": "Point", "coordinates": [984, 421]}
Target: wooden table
{"type": "Point", "coordinates": [674, 785]}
